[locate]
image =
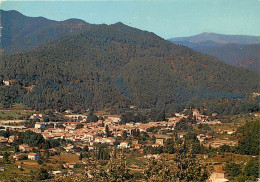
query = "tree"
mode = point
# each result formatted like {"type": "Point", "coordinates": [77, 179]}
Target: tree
{"type": "Point", "coordinates": [180, 167]}
{"type": "Point", "coordinates": [91, 117]}
{"type": "Point", "coordinates": [42, 174]}
{"type": "Point", "coordinates": [51, 143]}
{"type": "Point", "coordinates": [108, 133]}
{"type": "Point", "coordinates": [80, 156]}
{"type": "Point", "coordinates": [157, 115]}
{"type": "Point", "coordinates": [30, 138]}
{"type": "Point", "coordinates": [169, 146]}
{"type": "Point", "coordinates": [252, 168]}
{"type": "Point", "coordinates": [6, 157]}
{"type": "Point", "coordinates": [39, 161]}
{"type": "Point", "coordinates": [224, 148]}
{"type": "Point", "coordinates": [162, 169]}
{"type": "Point", "coordinates": [103, 153]}
{"type": "Point", "coordinates": [124, 134]}
{"type": "Point", "coordinates": [233, 169]}
{"type": "Point", "coordinates": [153, 139]}
{"type": "Point", "coordinates": [197, 148]}
{"type": "Point", "coordinates": [79, 126]}
{"type": "Point", "coordinates": [182, 125]}
{"type": "Point", "coordinates": [117, 170]}
{"type": "Point", "coordinates": [136, 133]}
{"type": "Point", "coordinates": [248, 138]}
{"type": "Point", "coordinates": [127, 117]}
{"type": "Point", "coordinates": [85, 149]}
{"type": "Point", "coordinates": [16, 147]}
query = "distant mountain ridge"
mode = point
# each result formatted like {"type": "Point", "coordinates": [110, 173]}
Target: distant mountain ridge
{"type": "Point", "coordinates": [219, 38]}
{"type": "Point", "coordinates": [237, 50]}
{"type": "Point", "coordinates": [20, 33]}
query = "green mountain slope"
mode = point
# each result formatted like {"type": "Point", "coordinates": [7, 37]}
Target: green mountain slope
{"type": "Point", "coordinates": [20, 33]}
{"type": "Point", "coordinates": [116, 65]}
{"type": "Point", "coordinates": [247, 56]}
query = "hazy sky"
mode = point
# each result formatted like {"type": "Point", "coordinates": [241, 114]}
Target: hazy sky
{"type": "Point", "coordinates": [166, 18]}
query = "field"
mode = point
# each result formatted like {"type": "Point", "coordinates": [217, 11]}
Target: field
{"type": "Point", "coordinates": [67, 158]}
{"type": "Point", "coordinates": [14, 114]}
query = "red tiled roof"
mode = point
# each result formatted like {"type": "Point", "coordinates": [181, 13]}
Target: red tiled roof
{"type": "Point", "coordinates": [32, 154]}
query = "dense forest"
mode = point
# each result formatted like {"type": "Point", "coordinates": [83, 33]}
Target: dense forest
{"type": "Point", "coordinates": [248, 139]}
{"type": "Point", "coordinates": [21, 33]}
{"type": "Point", "coordinates": [114, 66]}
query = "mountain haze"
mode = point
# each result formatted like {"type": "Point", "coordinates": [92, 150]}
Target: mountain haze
{"type": "Point", "coordinates": [219, 38]}
{"type": "Point", "coordinates": [237, 50]}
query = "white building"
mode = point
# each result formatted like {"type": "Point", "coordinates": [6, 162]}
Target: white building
{"type": "Point", "coordinates": [114, 118]}
{"type": "Point", "coordinates": [39, 125]}
{"type": "Point", "coordinates": [37, 116]}
{"type": "Point", "coordinates": [33, 156]}
{"type": "Point", "coordinates": [123, 145]}
{"type": "Point", "coordinates": [6, 82]}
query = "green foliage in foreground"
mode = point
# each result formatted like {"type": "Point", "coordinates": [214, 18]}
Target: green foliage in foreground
{"type": "Point", "coordinates": [240, 172]}
{"type": "Point", "coordinates": [181, 167]}
{"type": "Point", "coordinates": [249, 138]}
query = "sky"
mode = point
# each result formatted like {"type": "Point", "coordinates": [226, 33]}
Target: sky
{"type": "Point", "coordinates": [166, 18]}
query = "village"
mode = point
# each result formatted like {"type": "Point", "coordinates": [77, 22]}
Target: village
{"type": "Point", "coordinates": [110, 132]}
{"type": "Point", "coordinates": [77, 130]}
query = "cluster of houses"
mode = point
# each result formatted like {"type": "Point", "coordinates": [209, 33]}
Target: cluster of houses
{"type": "Point", "coordinates": [203, 119]}
{"type": "Point", "coordinates": [203, 138]}
{"type": "Point", "coordinates": [7, 140]}
{"type": "Point", "coordinates": [79, 131]}
{"type": "Point", "coordinates": [93, 132]}
{"type": "Point", "coordinates": [87, 134]}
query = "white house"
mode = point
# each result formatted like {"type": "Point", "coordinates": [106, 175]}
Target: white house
{"type": "Point", "coordinates": [159, 141]}
{"type": "Point", "coordinates": [33, 156]}
{"type": "Point", "coordinates": [56, 173]}
{"type": "Point", "coordinates": [124, 145]}
{"type": "Point", "coordinates": [110, 140]}
{"type": "Point", "coordinates": [25, 148]}
{"type": "Point", "coordinates": [181, 135]}
{"type": "Point", "coordinates": [39, 125]}
{"type": "Point", "coordinates": [6, 82]}
{"type": "Point", "coordinates": [99, 139]}
{"type": "Point", "coordinates": [114, 118]}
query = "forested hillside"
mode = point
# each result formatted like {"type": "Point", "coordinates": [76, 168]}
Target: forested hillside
{"type": "Point", "coordinates": [114, 66]}
{"type": "Point", "coordinates": [248, 138]}
{"type": "Point", "coordinates": [242, 55]}
{"type": "Point", "coordinates": [237, 50]}
{"type": "Point", "coordinates": [247, 56]}
{"type": "Point", "coordinates": [21, 33]}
